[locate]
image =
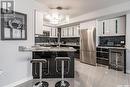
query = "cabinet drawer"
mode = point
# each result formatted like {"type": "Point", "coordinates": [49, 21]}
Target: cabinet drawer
{"type": "Point", "coordinates": [101, 61]}
{"type": "Point", "coordinates": [105, 50]}
{"type": "Point", "coordinates": [98, 49]}
{"type": "Point", "coordinates": [103, 55]}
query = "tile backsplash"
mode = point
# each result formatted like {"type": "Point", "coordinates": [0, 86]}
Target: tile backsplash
{"type": "Point", "coordinates": [70, 40]}
{"type": "Point", "coordinates": [55, 40]}
{"type": "Point", "coordinates": [117, 41]}
{"type": "Point", "coordinates": [42, 39]}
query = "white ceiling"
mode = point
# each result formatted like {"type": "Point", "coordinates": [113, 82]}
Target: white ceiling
{"type": "Point", "coordinates": [80, 7]}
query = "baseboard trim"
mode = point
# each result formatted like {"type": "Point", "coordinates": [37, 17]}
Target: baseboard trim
{"type": "Point", "coordinates": [19, 82]}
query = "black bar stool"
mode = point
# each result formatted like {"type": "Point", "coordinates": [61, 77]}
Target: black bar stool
{"type": "Point", "coordinates": [62, 83]}
{"type": "Point", "coordinates": [40, 83]}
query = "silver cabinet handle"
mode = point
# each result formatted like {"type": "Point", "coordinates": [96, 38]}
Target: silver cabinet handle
{"type": "Point", "coordinates": [48, 71]}
{"type": "Point", "coordinates": [35, 66]}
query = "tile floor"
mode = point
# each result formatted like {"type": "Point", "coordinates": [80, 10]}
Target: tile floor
{"type": "Point", "coordinates": [91, 76]}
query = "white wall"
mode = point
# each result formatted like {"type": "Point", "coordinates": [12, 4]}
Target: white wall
{"type": "Point", "coordinates": [14, 64]}
{"type": "Point", "coordinates": [128, 42]}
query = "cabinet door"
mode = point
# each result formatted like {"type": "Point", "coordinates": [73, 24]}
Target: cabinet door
{"type": "Point", "coordinates": [65, 32]}
{"type": "Point", "coordinates": [54, 32]}
{"type": "Point", "coordinates": [39, 23]}
{"type": "Point", "coordinates": [70, 31]}
{"type": "Point", "coordinates": [75, 30]}
{"type": "Point", "coordinates": [49, 29]}
{"type": "Point", "coordinates": [121, 27]}
{"type": "Point", "coordinates": [117, 26]}
{"type": "Point", "coordinates": [101, 28]}
{"type": "Point", "coordinates": [106, 29]}
{"type": "Point", "coordinates": [62, 32]}
{"type": "Point", "coordinates": [51, 32]}
{"type": "Point", "coordinates": [112, 27]}
{"type": "Point", "coordinates": [78, 30]}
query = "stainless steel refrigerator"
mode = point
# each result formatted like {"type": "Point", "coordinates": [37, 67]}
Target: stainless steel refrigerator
{"type": "Point", "coordinates": [88, 46]}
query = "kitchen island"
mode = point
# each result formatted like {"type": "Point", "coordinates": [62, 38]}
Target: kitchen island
{"type": "Point", "coordinates": [49, 69]}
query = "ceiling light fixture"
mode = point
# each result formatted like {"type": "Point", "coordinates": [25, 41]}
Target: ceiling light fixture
{"type": "Point", "coordinates": [55, 17]}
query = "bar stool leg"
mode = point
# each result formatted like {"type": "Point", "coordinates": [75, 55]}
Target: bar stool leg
{"type": "Point", "coordinates": [40, 71]}
{"type": "Point", "coordinates": [40, 75]}
{"type": "Point", "coordinates": [41, 83]}
{"type": "Point", "coordinates": [62, 83]}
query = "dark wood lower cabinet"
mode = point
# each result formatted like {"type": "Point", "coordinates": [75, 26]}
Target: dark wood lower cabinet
{"type": "Point", "coordinates": [103, 56]}
{"type": "Point", "coordinates": [49, 68]}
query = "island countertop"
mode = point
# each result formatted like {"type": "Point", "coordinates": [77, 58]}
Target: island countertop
{"type": "Point", "coordinates": [53, 49]}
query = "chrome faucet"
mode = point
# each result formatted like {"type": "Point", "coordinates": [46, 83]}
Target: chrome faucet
{"type": "Point", "coordinates": [59, 39]}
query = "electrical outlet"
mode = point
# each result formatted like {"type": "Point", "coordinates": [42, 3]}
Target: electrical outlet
{"type": "Point", "coordinates": [122, 42]}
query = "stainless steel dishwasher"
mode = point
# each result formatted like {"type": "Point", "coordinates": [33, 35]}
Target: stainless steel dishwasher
{"type": "Point", "coordinates": [116, 60]}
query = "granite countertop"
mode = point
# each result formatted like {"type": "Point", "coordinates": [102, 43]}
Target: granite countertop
{"type": "Point", "coordinates": [123, 48]}
{"type": "Point", "coordinates": [54, 49]}
{"type": "Point", "coordinates": [70, 45]}
{"type": "Point", "coordinates": [67, 44]}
